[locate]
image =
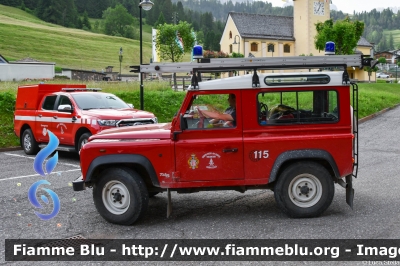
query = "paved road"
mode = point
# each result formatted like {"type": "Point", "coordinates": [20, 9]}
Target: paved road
{"type": "Point", "coordinates": [222, 215]}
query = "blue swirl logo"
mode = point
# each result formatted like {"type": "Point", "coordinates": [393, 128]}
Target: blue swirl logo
{"type": "Point", "coordinates": [44, 153]}
{"type": "Point", "coordinates": [49, 166]}
{"type": "Point", "coordinates": [32, 198]}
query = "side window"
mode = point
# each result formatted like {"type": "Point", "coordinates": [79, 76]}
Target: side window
{"type": "Point", "coordinates": [49, 102]}
{"type": "Point", "coordinates": [301, 107]}
{"type": "Point", "coordinates": [64, 100]}
{"type": "Point", "coordinates": [286, 48]}
{"type": "Point", "coordinates": [211, 111]}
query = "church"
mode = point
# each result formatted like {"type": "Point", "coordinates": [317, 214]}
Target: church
{"type": "Point", "coordinates": [255, 35]}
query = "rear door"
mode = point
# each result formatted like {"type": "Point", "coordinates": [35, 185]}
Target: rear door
{"type": "Point", "coordinates": [205, 153]}
{"type": "Point", "coordinates": [44, 118]}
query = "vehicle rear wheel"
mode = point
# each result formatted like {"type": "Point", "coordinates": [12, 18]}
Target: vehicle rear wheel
{"type": "Point", "coordinates": [29, 143]}
{"type": "Point", "coordinates": [83, 140]}
{"type": "Point", "coordinates": [120, 196]}
{"type": "Point", "coordinates": [304, 190]}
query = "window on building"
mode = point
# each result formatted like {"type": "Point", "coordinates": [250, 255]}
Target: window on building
{"type": "Point", "coordinates": [286, 48]}
{"type": "Point", "coordinates": [230, 48]}
{"type": "Point", "coordinates": [254, 47]}
{"type": "Point", "coordinates": [271, 48]}
{"type": "Point", "coordinates": [230, 35]}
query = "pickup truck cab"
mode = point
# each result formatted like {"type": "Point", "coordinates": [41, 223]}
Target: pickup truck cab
{"type": "Point", "coordinates": [71, 112]}
{"type": "Point", "coordinates": [292, 132]}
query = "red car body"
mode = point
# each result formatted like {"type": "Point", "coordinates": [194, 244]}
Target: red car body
{"type": "Point", "coordinates": [72, 112]}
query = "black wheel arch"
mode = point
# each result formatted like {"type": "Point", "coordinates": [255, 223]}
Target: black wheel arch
{"type": "Point", "coordinates": [137, 162]}
{"type": "Point", "coordinates": [321, 156]}
{"type": "Point", "coordinates": [21, 132]}
{"type": "Point", "coordinates": [78, 134]}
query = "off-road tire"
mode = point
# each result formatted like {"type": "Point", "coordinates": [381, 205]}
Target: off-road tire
{"type": "Point", "coordinates": [304, 190]}
{"type": "Point", "coordinates": [82, 140]}
{"type": "Point", "coordinates": [126, 207]}
{"type": "Point", "coordinates": [28, 142]}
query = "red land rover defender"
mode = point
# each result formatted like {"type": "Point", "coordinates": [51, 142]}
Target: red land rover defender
{"type": "Point", "coordinates": [72, 112]}
{"type": "Point", "coordinates": [292, 132]}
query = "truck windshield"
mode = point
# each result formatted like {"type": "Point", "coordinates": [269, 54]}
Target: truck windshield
{"type": "Point", "coordinates": [98, 100]}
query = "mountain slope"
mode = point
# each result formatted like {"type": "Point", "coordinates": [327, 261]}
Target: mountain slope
{"type": "Point", "coordinates": [23, 35]}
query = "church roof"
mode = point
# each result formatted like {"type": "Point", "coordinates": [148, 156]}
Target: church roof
{"type": "Point", "coordinates": [269, 27]}
{"type": "Point", "coordinates": [363, 42]}
{"type": "Point", "coordinates": [263, 26]}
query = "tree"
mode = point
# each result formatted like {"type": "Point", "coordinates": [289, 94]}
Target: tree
{"type": "Point", "coordinates": [117, 21]}
{"type": "Point", "coordinates": [344, 33]}
{"type": "Point", "coordinates": [85, 21]}
{"type": "Point", "coordinates": [167, 41]}
{"type": "Point", "coordinates": [160, 20]}
{"type": "Point", "coordinates": [382, 60]}
{"type": "Point", "coordinates": [58, 12]}
{"type": "Point", "coordinates": [391, 42]}
{"type": "Point", "coordinates": [370, 70]}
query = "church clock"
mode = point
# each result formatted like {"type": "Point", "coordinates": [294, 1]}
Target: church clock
{"type": "Point", "coordinates": [319, 8]}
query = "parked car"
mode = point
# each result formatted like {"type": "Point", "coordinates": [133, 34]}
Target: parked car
{"type": "Point", "coordinates": [72, 112]}
{"type": "Point", "coordinates": [382, 75]}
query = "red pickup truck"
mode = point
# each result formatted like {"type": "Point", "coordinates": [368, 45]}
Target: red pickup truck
{"type": "Point", "coordinates": [72, 112]}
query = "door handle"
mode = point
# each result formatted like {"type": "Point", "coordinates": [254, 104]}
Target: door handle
{"type": "Point", "coordinates": [39, 115]}
{"type": "Point", "coordinates": [230, 150]}
{"type": "Point", "coordinates": [55, 117]}
{"type": "Point", "coordinates": [74, 119]}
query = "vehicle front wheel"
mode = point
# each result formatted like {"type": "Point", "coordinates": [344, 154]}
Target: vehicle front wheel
{"type": "Point", "coordinates": [120, 196]}
{"type": "Point", "coordinates": [29, 143]}
{"type": "Point", "coordinates": [304, 190]}
{"type": "Point", "coordinates": [83, 140]}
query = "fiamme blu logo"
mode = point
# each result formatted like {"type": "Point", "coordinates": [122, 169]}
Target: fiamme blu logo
{"type": "Point", "coordinates": [45, 168]}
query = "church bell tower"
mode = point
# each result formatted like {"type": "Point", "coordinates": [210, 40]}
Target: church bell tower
{"type": "Point", "coordinates": [306, 13]}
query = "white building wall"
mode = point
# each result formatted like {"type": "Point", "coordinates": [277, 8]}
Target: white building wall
{"type": "Point", "coordinates": [17, 72]}
{"type": "Point", "coordinates": [67, 73]}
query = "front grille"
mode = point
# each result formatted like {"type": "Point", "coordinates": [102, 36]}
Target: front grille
{"type": "Point", "coordinates": [134, 122]}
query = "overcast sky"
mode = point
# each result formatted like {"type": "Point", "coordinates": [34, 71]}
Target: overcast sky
{"type": "Point", "coordinates": [347, 6]}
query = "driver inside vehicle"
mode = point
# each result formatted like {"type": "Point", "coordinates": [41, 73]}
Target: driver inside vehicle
{"type": "Point", "coordinates": [227, 119]}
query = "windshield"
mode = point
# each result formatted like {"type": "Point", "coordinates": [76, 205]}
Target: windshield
{"type": "Point", "coordinates": [98, 100]}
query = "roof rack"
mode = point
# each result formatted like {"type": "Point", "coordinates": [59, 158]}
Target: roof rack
{"type": "Point", "coordinates": [81, 89]}
{"type": "Point", "coordinates": [207, 65]}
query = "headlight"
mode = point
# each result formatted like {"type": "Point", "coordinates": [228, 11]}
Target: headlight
{"type": "Point", "coordinates": [155, 120]}
{"type": "Point", "coordinates": [108, 123]}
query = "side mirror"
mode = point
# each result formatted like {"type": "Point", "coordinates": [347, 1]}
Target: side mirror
{"type": "Point", "coordinates": [65, 108]}
{"type": "Point", "coordinates": [130, 105]}
{"type": "Point", "coordinates": [183, 122]}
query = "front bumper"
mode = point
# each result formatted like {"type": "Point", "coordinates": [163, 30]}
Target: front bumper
{"type": "Point", "coordinates": [78, 184]}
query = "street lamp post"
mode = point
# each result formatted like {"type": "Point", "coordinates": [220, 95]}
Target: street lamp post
{"type": "Point", "coordinates": [146, 5]}
{"type": "Point", "coordinates": [120, 62]}
{"type": "Point", "coordinates": [234, 42]}
{"type": "Point", "coordinates": [238, 43]}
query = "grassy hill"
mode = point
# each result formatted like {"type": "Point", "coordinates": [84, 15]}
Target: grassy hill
{"type": "Point", "coordinates": [23, 35]}
{"type": "Point", "coordinates": [395, 34]}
